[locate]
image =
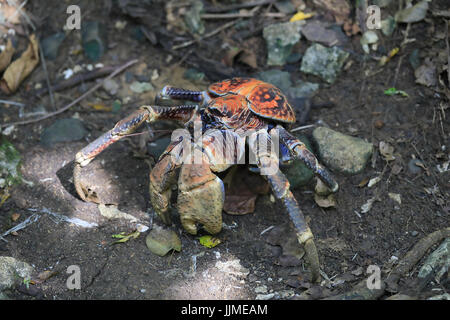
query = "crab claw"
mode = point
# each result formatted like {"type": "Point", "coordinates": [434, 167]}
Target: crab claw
{"type": "Point", "coordinates": [200, 198]}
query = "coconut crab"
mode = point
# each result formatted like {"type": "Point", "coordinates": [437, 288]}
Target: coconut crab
{"type": "Point", "coordinates": [226, 112]}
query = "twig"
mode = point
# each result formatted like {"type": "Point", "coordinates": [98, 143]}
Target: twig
{"type": "Point", "coordinates": [448, 51]}
{"type": "Point", "coordinates": [414, 255]}
{"type": "Point", "coordinates": [77, 79]}
{"type": "Point", "coordinates": [239, 6]}
{"type": "Point", "coordinates": [47, 79]}
{"type": "Point", "coordinates": [241, 15]}
{"type": "Point", "coordinates": [94, 88]}
{"type": "Point", "coordinates": [303, 127]}
{"type": "Point", "coordinates": [404, 42]}
{"type": "Point", "coordinates": [208, 35]}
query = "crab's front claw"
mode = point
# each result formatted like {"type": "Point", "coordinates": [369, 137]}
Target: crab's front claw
{"type": "Point", "coordinates": [200, 198]}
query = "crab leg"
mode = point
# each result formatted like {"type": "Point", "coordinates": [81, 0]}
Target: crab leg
{"type": "Point", "coordinates": [169, 92]}
{"type": "Point", "coordinates": [300, 151]}
{"type": "Point", "coordinates": [280, 186]}
{"type": "Point", "coordinates": [124, 127]}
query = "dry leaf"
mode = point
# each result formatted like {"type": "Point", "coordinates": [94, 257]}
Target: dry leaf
{"type": "Point", "coordinates": [15, 216]}
{"type": "Point", "coordinates": [396, 197]}
{"type": "Point", "coordinates": [387, 151]}
{"type": "Point", "coordinates": [21, 68]}
{"type": "Point", "coordinates": [340, 9]}
{"type": "Point", "coordinates": [373, 181]}
{"type": "Point", "coordinates": [325, 201]}
{"type": "Point", "coordinates": [6, 55]}
{"type": "Point", "coordinates": [9, 13]}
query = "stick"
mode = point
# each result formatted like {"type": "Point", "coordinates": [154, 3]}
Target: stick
{"type": "Point", "coordinates": [239, 6]}
{"type": "Point", "coordinates": [414, 255]}
{"type": "Point", "coordinates": [241, 15]}
{"type": "Point", "coordinates": [94, 88]}
{"type": "Point", "coordinates": [212, 33]}
{"type": "Point", "coordinates": [77, 79]}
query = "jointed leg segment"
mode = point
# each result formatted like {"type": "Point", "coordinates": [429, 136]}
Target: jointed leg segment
{"type": "Point", "coordinates": [124, 127]}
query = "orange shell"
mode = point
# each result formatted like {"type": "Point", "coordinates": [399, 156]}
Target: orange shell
{"type": "Point", "coordinates": [266, 100]}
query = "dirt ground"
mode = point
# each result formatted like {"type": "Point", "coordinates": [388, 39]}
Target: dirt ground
{"type": "Point", "coordinates": [348, 240]}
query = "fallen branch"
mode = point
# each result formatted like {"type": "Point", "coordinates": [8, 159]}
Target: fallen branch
{"type": "Point", "coordinates": [239, 6]}
{"type": "Point", "coordinates": [241, 15]}
{"type": "Point", "coordinates": [414, 255]}
{"type": "Point", "coordinates": [208, 35]}
{"type": "Point", "coordinates": [87, 93]}
{"type": "Point", "coordinates": [78, 78]}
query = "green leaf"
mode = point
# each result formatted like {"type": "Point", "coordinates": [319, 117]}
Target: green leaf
{"type": "Point", "coordinates": [125, 237]}
{"type": "Point", "coordinates": [209, 241]}
{"type": "Point", "coordinates": [394, 91]}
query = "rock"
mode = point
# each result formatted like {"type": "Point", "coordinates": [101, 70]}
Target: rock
{"type": "Point", "coordinates": [160, 241]}
{"type": "Point", "coordinates": [50, 45]}
{"type": "Point", "coordinates": [12, 272]}
{"type": "Point", "coordinates": [341, 152]}
{"type": "Point", "coordinates": [141, 87]}
{"type": "Point", "coordinates": [303, 89]}
{"type": "Point", "coordinates": [413, 14]}
{"type": "Point", "coordinates": [297, 172]}
{"type": "Point", "coordinates": [110, 86]}
{"type": "Point", "coordinates": [324, 33]}
{"type": "Point", "coordinates": [415, 166]}
{"type": "Point", "coordinates": [112, 212]}
{"type": "Point", "coordinates": [282, 80]}
{"type": "Point", "coordinates": [93, 39]}
{"type": "Point", "coordinates": [261, 289]}
{"type": "Point", "coordinates": [63, 130]}
{"type": "Point", "coordinates": [278, 78]}
{"type": "Point", "coordinates": [9, 164]}
{"type": "Point", "coordinates": [438, 261]}
{"type": "Point", "coordinates": [232, 267]}
{"type": "Point", "coordinates": [157, 147]}
{"type": "Point", "coordinates": [265, 296]}
{"type": "Point", "coordinates": [388, 26]}
{"type": "Point", "coordinates": [194, 75]}
{"type": "Point", "coordinates": [280, 39]}
{"type": "Point", "coordinates": [445, 296]}
{"type": "Point", "coordinates": [323, 62]}
{"type": "Point", "coordinates": [369, 37]}
{"type": "Point", "coordinates": [193, 20]}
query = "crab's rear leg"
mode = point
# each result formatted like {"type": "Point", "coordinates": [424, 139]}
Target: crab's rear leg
{"type": "Point", "coordinates": [122, 129]}
{"type": "Point", "coordinates": [267, 161]}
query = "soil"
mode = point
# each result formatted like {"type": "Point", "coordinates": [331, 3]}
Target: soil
{"type": "Point", "coordinates": [348, 240]}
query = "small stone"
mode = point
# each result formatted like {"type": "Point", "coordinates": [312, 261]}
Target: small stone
{"type": "Point", "coordinates": [140, 87]}
{"type": "Point", "coordinates": [341, 152]}
{"type": "Point", "coordinates": [265, 296]}
{"type": "Point", "coordinates": [378, 124]}
{"type": "Point", "coordinates": [280, 79]}
{"type": "Point", "coordinates": [93, 38]}
{"type": "Point", "coordinates": [297, 172]}
{"type": "Point", "coordinates": [415, 166]}
{"type": "Point", "coordinates": [110, 86]}
{"type": "Point", "coordinates": [323, 62]}
{"type": "Point", "coordinates": [63, 130]}
{"type": "Point", "coordinates": [51, 44]}
{"type": "Point", "coordinates": [414, 233]}
{"type": "Point", "coordinates": [160, 241]}
{"type": "Point", "coordinates": [12, 272]}
{"type": "Point", "coordinates": [261, 289]}
{"type": "Point", "coordinates": [194, 75]}
{"type": "Point", "coordinates": [280, 39]}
